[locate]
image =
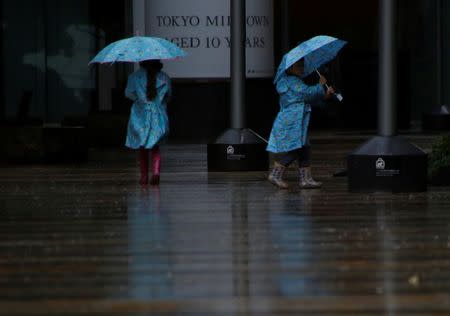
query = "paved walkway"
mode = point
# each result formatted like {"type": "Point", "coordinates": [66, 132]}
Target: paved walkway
{"type": "Point", "coordinates": [88, 240]}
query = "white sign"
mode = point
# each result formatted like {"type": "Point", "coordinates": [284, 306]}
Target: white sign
{"type": "Point", "coordinates": [202, 29]}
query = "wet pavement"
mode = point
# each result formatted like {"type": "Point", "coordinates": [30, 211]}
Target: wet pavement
{"type": "Point", "coordinates": [88, 240]}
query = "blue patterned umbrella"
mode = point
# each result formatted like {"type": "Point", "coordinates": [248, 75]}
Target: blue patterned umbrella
{"type": "Point", "coordinates": [316, 51]}
{"type": "Point", "coordinates": [138, 48]}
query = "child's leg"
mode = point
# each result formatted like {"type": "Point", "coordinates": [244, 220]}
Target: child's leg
{"type": "Point", "coordinates": [289, 158]}
{"type": "Point", "coordinates": [143, 161]}
{"type": "Point", "coordinates": [156, 165]}
{"type": "Point", "coordinates": [304, 162]}
{"type": "Point", "coordinates": [276, 175]}
{"type": "Point", "coordinates": [304, 157]}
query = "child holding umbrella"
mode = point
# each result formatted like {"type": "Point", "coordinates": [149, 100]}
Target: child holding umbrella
{"type": "Point", "coordinates": [148, 125]}
{"type": "Point", "coordinates": [290, 129]}
{"type": "Point", "coordinates": [150, 89]}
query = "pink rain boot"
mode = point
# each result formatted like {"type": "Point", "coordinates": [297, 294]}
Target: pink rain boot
{"type": "Point", "coordinates": [143, 159]}
{"type": "Point", "coordinates": [156, 165]}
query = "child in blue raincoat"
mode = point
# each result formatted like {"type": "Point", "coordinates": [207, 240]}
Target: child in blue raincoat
{"type": "Point", "coordinates": [148, 125]}
{"type": "Point", "coordinates": [290, 130]}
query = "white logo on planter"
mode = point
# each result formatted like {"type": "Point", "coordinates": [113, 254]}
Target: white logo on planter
{"type": "Point", "coordinates": [230, 150]}
{"type": "Point", "coordinates": [380, 164]}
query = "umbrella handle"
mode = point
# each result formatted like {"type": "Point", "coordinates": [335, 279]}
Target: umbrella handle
{"type": "Point", "coordinates": [338, 95]}
{"type": "Point", "coordinates": [328, 87]}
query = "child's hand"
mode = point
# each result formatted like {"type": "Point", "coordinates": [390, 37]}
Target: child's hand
{"type": "Point", "coordinates": [330, 92]}
{"type": "Point", "coordinates": [322, 80]}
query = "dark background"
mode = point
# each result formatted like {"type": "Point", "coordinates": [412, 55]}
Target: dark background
{"type": "Point", "coordinates": [199, 110]}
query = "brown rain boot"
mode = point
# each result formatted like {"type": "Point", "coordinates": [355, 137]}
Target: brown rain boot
{"type": "Point", "coordinates": [305, 179]}
{"type": "Point", "coordinates": [276, 176]}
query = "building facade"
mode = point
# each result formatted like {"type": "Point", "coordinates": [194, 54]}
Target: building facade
{"type": "Point", "coordinates": [46, 46]}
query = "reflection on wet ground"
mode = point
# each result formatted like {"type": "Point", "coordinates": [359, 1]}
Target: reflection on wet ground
{"type": "Point", "coordinates": [85, 240]}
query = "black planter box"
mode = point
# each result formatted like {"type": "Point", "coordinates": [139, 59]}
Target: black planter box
{"type": "Point", "coordinates": [238, 150]}
{"type": "Point", "coordinates": [387, 164]}
{"type": "Point", "coordinates": [237, 157]}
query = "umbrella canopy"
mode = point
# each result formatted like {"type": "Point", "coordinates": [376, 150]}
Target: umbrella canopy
{"type": "Point", "coordinates": [316, 51]}
{"type": "Point", "coordinates": [138, 48]}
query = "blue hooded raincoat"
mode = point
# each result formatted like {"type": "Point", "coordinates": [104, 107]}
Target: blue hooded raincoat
{"type": "Point", "coordinates": [148, 124]}
{"type": "Point", "coordinates": [290, 129]}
